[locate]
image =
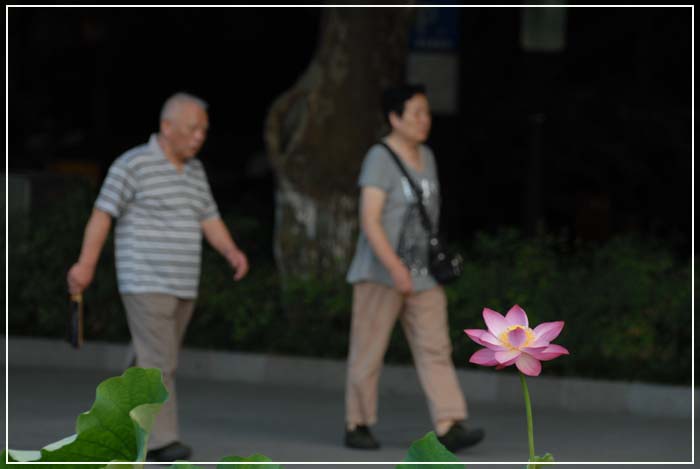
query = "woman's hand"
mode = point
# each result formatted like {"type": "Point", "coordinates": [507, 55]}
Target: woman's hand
{"type": "Point", "coordinates": [401, 277]}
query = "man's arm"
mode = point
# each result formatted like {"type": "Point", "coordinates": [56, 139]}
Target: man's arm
{"type": "Point", "coordinates": [220, 239]}
{"type": "Point", "coordinates": [82, 272]}
{"type": "Point", "coordinates": [372, 202]}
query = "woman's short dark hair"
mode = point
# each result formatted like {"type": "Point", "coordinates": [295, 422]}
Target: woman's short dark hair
{"type": "Point", "coordinates": [395, 97]}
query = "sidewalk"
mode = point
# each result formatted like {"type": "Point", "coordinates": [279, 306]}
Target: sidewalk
{"type": "Point", "coordinates": [289, 422]}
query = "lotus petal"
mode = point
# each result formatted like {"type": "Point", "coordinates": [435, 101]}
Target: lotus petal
{"type": "Point", "coordinates": [495, 322]}
{"type": "Point", "coordinates": [475, 335]}
{"type": "Point", "coordinates": [533, 350]}
{"type": "Point", "coordinates": [548, 353]}
{"type": "Point", "coordinates": [528, 365]}
{"type": "Point", "coordinates": [510, 362]}
{"type": "Point", "coordinates": [517, 337]}
{"type": "Point", "coordinates": [506, 356]}
{"type": "Point", "coordinates": [547, 332]}
{"type": "Point", "coordinates": [483, 357]}
{"type": "Point", "coordinates": [516, 316]}
{"type": "Point", "coordinates": [485, 339]}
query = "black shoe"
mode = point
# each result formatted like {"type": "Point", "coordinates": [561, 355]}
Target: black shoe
{"type": "Point", "coordinates": [360, 438]}
{"type": "Point", "coordinates": [173, 452]}
{"type": "Point", "coordinates": [458, 437]}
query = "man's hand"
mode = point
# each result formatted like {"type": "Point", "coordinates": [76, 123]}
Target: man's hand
{"type": "Point", "coordinates": [402, 279]}
{"type": "Point", "coordinates": [81, 273]}
{"type": "Point", "coordinates": [79, 277]}
{"type": "Point", "coordinates": [219, 237]}
{"type": "Point", "coordinates": [239, 263]}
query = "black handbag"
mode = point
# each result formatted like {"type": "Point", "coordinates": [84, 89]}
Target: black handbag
{"type": "Point", "coordinates": [444, 266]}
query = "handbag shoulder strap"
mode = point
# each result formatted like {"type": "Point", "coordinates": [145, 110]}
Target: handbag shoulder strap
{"type": "Point", "coordinates": [427, 224]}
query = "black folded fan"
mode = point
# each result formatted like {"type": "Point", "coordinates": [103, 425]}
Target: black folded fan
{"type": "Point", "coordinates": [74, 334]}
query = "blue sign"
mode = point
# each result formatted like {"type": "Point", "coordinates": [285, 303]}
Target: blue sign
{"type": "Point", "coordinates": [436, 29]}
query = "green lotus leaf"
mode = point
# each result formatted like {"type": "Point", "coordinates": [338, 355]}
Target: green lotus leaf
{"type": "Point", "coordinates": [251, 458]}
{"type": "Point", "coordinates": [546, 458]}
{"type": "Point", "coordinates": [115, 429]}
{"type": "Point", "coordinates": [184, 465]}
{"type": "Point", "coordinates": [429, 449]}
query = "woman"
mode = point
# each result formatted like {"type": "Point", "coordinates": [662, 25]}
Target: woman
{"type": "Point", "coordinates": [391, 281]}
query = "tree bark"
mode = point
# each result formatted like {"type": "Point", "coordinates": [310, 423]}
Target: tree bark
{"type": "Point", "coordinates": [318, 132]}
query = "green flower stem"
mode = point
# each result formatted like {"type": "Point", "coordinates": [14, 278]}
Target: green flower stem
{"type": "Point", "coordinates": [528, 411]}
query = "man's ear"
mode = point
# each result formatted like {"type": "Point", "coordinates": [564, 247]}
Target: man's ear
{"type": "Point", "coordinates": [165, 127]}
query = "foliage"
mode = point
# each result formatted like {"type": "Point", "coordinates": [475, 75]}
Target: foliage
{"type": "Point", "coordinates": [429, 449]}
{"type": "Point", "coordinates": [537, 459]}
{"type": "Point", "coordinates": [624, 301]}
{"type": "Point", "coordinates": [252, 458]}
{"type": "Point", "coordinates": [116, 428]}
{"type": "Point", "coordinates": [39, 260]}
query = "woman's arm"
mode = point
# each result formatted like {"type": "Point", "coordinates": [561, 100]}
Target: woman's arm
{"type": "Point", "coordinates": [372, 202]}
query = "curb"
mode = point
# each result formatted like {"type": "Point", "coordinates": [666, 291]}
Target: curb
{"type": "Point", "coordinates": [569, 394]}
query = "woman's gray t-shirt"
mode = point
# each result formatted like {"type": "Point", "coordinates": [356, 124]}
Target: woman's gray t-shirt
{"type": "Point", "coordinates": [400, 218]}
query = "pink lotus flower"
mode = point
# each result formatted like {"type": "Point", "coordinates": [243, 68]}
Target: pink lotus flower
{"type": "Point", "coordinates": [509, 340]}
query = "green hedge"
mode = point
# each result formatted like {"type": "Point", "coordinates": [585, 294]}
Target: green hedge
{"type": "Point", "coordinates": [39, 256]}
{"type": "Point", "coordinates": [626, 303]}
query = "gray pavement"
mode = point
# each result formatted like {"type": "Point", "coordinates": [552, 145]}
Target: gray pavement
{"type": "Point", "coordinates": [303, 424]}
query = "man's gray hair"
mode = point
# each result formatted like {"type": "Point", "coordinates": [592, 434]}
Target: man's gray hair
{"type": "Point", "coordinates": [172, 103]}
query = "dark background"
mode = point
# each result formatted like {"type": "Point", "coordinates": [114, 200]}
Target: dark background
{"type": "Point", "coordinates": [593, 141]}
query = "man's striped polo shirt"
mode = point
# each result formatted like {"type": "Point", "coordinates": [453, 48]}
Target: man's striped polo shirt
{"type": "Point", "coordinates": [158, 234]}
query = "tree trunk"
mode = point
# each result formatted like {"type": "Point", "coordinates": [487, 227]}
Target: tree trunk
{"type": "Point", "coordinates": [318, 132]}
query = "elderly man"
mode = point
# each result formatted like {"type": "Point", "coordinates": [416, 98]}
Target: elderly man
{"type": "Point", "coordinates": [160, 198]}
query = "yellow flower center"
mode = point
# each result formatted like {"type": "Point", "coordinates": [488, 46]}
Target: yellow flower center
{"type": "Point", "coordinates": [529, 336]}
